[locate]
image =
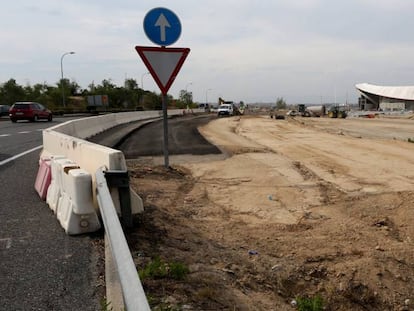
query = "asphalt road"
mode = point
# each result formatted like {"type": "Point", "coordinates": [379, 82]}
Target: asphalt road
{"type": "Point", "coordinates": [183, 138]}
{"type": "Point", "coordinates": [41, 268]}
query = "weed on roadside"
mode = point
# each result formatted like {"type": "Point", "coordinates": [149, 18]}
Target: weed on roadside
{"type": "Point", "coordinates": [158, 269]}
{"type": "Point", "coordinates": [106, 306]}
{"type": "Point", "coordinates": [309, 304]}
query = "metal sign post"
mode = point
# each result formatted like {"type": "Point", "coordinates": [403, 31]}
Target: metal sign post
{"type": "Point", "coordinates": [163, 27]}
{"type": "Point", "coordinates": [165, 126]}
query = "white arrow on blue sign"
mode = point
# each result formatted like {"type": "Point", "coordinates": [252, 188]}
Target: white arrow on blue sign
{"type": "Point", "coordinates": [162, 26]}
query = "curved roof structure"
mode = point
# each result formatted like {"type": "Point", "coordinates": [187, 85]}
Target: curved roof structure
{"type": "Point", "coordinates": [397, 92]}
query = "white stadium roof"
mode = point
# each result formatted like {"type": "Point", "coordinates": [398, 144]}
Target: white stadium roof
{"type": "Point", "coordinates": [398, 92]}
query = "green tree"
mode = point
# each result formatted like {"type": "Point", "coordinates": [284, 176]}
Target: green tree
{"type": "Point", "coordinates": [74, 88]}
{"type": "Point", "coordinates": [131, 84]}
{"type": "Point", "coordinates": [133, 93]}
{"type": "Point", "coordinates": [11, 92]}
{"type": "Point", "coordinates": [186, 97]}
{"type": "Point", "coordinates": [64, 87]}
{"type": "Point", "coordinates": [153, 101]}
{"type": "Point", "coordinates": [128, 96]}
{"type": "Point", "coordinates": [280, 103]}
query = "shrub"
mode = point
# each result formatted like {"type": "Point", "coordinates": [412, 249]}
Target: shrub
{"type": "Point", "coordinates": [310, 304]}
{"type": "Point", "coordinates": [158, 269]}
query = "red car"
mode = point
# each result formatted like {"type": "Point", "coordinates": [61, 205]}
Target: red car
{"type": "Point", "coordinates": [31, 111]}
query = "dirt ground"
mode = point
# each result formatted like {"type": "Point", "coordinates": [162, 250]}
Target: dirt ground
{"type": "Point", "coordinates": [297, 208]}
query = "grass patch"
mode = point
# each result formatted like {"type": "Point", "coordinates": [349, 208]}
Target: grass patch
{"type": "Point", "coordinates": [159, 269]}
{"type": "Point", "coordinates": [411, 140]}
{"type": "Point", "coordinates": [105, 305]}
{"type": "Point", "coordinates": [309, 304]}
{"type": "Point", "coordinates": [178, 271]}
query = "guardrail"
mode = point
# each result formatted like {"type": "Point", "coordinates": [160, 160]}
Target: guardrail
{"type": "Point", "coordinates": [132, 291]}
{"type": "Point", "coordinates": [67, 140]}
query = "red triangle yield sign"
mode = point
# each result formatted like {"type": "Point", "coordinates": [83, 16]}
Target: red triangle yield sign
{"type": "Point", "coordinates": [163, 63]}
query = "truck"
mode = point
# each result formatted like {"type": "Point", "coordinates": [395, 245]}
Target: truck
{"type": "Point", "coordinates": [229, 108]}
{"type": "Point", "coordinates": [311, 111]}
{"type": "Point", "coordinates": [317, 111]}
{"type": "Point", "coordinates": [225, 110]}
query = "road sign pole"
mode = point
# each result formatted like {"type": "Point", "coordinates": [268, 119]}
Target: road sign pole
{"type": "Point", "coordinates": [163, 27]}
{"type": "Point", "coordinates": [165, 125]}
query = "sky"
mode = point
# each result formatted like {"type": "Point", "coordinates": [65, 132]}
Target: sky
{"type": "Point", "coordinates": [304, 51]}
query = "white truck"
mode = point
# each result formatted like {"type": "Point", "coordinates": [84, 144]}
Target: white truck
{"type": "Point", "coordinates": [225, 110]}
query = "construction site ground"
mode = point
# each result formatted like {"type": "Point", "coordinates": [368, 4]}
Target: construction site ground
{"type": "Point", "coordinates": [295, 209]}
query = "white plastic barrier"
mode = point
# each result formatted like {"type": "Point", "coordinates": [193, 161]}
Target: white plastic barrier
{"type": "Point", "coordinates": [43, 178]}
{"type": "Point", "coordinates": [90, 157]}
{"type": "Point", "coordinates": [58, 165]}
{"type": "Point", "coordinates": [75, 210]}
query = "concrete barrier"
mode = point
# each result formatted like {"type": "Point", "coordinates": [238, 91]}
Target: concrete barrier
{"type": "Point", "coordinates": [68, 140]}
{"type": "Point", "coordinates": [87, 127]}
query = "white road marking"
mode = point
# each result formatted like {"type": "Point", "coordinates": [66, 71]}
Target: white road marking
{"type": "Point", "coordinates": [20, 155]}
{"type": "Point", "coordinates": [22, 132]}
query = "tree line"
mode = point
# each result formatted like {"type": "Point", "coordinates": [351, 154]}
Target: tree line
{"type": "Point", "coordinates": [120, 98]}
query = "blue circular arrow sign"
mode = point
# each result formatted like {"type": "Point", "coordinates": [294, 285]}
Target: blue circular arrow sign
{"type": "Point", "coordinates": [162, 26]}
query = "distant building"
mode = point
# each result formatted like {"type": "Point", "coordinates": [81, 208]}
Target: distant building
{"type": "Point", "coordinates": [374, 97]}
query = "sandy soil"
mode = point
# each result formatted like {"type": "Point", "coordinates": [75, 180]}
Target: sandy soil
{"type": "Point", "coordinates": [302, 207]}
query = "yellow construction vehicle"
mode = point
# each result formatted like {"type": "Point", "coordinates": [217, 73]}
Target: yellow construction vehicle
{"type": "Point", "coordinates": [337, 112]}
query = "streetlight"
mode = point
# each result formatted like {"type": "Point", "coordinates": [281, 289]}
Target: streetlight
{"type": "Point", "coordinates": [206, 95]}
{"type": "Point", "coordinates": [141, 97]}
{"type": "Point", "coordinates": [186, 93]}
{"type": "Point", "coordinates": [61, 81]}
{"type": "Point", "coordinates": [142, 79]}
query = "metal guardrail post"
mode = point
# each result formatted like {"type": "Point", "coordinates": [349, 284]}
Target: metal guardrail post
{"type": "Point", "coordinates": [132, 291]}
{"type": "Point", "coordinates": [120, 180]}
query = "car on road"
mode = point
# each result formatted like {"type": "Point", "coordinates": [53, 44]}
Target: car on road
{"type": "Point", "coordinates": [225, 110]}
{"type": "Point", "coordinates": [31, 111]}
{"type": "Point", "coordinates": [4, 110]}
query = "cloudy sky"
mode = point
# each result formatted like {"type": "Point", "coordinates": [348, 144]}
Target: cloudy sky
{"type": "Point", "coordinates": [305, 51]}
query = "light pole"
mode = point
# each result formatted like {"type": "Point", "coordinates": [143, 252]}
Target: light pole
{"type": "Point", "coordinates": [206, 95]}
{"type": "Point", "coordinates": [142, 79]}
{"type": "Point", "coordinates": [186, 93]}
{"type": "Point", "coordinates": [141, 99]}
{"type": "Point", "coordinates": [61, 81]}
